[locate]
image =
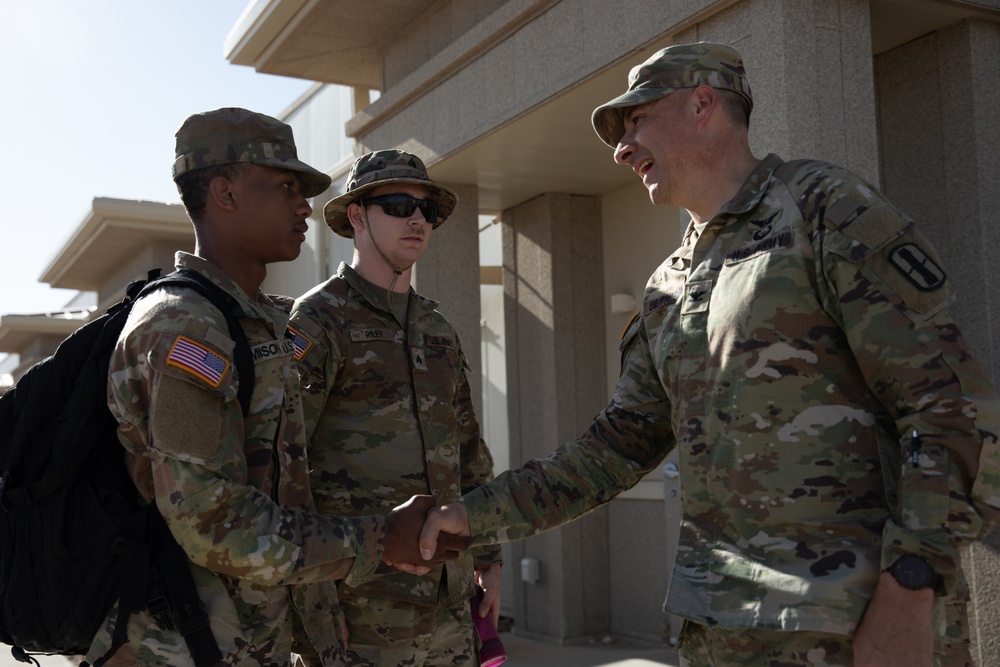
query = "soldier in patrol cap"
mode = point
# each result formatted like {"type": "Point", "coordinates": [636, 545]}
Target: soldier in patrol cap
{"type": "Point", "coordinates": [837, 439]}
{"type": "Point", "coordinates": [234, 489]}
{"type": "Point", "coordinates": [389, 414]}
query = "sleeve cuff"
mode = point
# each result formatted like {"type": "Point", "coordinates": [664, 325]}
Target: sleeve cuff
{"type": "Point", "coordinates": [932, 546]}
{"type": "Point", "coordinates": [369, 543]}
{"type": "Point", "coordinates": [485, 556]}
{"type": "Point", "coordinates": [488, 521]}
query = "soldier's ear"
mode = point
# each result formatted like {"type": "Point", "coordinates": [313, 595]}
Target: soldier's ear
{"type": "Point", "coordinates": [355, 216]}
{"type": "Point", "coordinates": [221, 193]}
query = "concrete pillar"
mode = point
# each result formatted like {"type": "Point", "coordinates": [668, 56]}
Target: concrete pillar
{"type": "Point", "coordinates": [940, 136]}
{"type": "Point", "coordinates": [448, 272]}
{"type": "Point", "coordinates": [810, 70]}
{"type": "Point", "coordinates": [554, 319]}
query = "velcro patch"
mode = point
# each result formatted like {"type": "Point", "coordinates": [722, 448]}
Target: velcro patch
{"type": "Point", "coordinates": [300, 344]}
{"type": "Point", "coordinates": [270, 349]}
{"type": "Point", "coordinates": [751, 250]}
{"type": "Point", "coordinates": [433, 340]}
{"type": "Point", "coordinates": [658, 302]}
{"type": "Point", "coordinates": [359, 335]}
{"type": "Point", "coordinates": [197, 360]}
{"type": "Point", "coordinates": [875, 225]}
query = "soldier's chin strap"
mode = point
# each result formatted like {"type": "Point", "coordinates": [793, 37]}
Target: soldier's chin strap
{"type": "Point", "coordinates": [396, 271]}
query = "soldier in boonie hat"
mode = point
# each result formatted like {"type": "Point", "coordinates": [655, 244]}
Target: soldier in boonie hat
{"type": "Point", "coordinates": [383, 370]}
{"type": "Point", "coordinates": [232, 135]}
{"type": "Point", "coordinates": [679, 66]}
{"type": "Point", "coordinates": [380, 168]}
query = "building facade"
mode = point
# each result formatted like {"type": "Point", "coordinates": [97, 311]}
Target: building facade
{"type": "Point", "coordinates": [496, 96]}
{"type": "Point", "coordinates": [541, 265]}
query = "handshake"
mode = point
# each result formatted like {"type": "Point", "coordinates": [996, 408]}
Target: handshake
{"type": "Point", "coordinates": [420, 534]}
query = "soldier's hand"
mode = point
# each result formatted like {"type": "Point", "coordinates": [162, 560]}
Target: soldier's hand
{"type": "Point", "coordinates": [403, 530]}
{"type": "Point", "coordinates": [443, 524]}
{"type": "Point", "coordinates": [896, 629]}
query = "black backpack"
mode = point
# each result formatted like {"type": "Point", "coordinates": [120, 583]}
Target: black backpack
{"type": "Point", "coordinates": [74, 536]}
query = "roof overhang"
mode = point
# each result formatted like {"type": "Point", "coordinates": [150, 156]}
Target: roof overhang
{"type": "Point", "coordinates": [114, 231]}
{"type": "Point", "coordinates": [333, 41]}
{"type": "Point", "coordinates": [18, 331]}
{"type": "Point", "coordinates": [548, 148]}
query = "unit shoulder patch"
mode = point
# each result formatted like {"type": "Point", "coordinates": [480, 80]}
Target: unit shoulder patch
{"type": "Point", "coordinates": [917, 267]}
{"type": "Point", "coordinates": [910, 268]}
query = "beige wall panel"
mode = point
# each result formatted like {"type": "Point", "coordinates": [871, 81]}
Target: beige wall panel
{"type": "Point", "coordinates": [635, 532]}
{"type": "Point", "coordinates": [448, 272]}
{"type": "Point", "coordinates": [939, 140]}
{"type": "Point", "coordinates": [536, 61]}
{"type": "Point", "coordinates": [554, 323]}
{"type": "Point", "coordinates": [809, 65]}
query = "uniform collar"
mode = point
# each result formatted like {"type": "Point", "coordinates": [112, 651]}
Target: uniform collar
{"type": "Point", "coordinates": [753, 189]}
{"type": "Point", "coordinates": [377, 297]}
{"type": "Point", "coordinates": [250, 307]}
{"type": "Point", "coordinates": [746, 199]}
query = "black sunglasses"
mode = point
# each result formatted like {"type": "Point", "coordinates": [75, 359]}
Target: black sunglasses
{"type": "Point", "coordinates": [402, 206]}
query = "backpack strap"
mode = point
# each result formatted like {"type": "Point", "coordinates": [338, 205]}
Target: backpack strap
{"type": "Point", "coordinates": [157, 576]}
{"type": "Point", "coordinates": [171, 577]}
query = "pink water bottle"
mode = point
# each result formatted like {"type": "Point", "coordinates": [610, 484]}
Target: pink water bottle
{"type": "Point", "coordinates": [492, 653]}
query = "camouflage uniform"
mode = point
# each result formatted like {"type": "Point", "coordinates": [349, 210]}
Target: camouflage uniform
{"type": "Point", "coordinates": [789, 349]}
{"type": "Point", "coordinates": [234, 490]}
{"type": "Point", "coordinates": [389, 415]}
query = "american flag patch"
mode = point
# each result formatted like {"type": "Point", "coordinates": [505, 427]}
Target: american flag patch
{"type": "Point", "coordinates": [300, 343]}
{"type": "Point", "coordinates": [197, 360]}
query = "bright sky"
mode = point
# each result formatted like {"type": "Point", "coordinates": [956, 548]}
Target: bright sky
{"type": "Point", "coordinates": [90, 96]}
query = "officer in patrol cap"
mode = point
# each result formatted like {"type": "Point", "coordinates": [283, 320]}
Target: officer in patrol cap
{"type": "Point", "coordinates": [838, 440]}
{"type": "Point", "coordinates": [234, 487]}
{"type": "Point", "coordinates": [388, 407]}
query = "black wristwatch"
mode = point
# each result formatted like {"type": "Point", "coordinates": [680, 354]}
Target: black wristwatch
{"type": "Point", "coordinates": [914, 573]}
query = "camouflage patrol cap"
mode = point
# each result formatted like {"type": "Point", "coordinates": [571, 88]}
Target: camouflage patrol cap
{"type": "Point", "coordinates": [380, 168]}
{"type": "Point", "coordinates": [678, 66]}
{"type": "Point", "coordinates": [231, 135]}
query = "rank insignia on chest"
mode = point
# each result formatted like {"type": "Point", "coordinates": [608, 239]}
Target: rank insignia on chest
{"type": "Point", "coordinates": [197, 360]}
{"type": "Point", "coordinates": [419, 358]}
{"type": "Point", "coordinates": [300, 344]}
{"type": "Point", "coordinates": [697, 295]}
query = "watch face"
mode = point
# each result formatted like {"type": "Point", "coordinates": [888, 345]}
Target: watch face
{"type": "Point", "coordinates": [913, 572]}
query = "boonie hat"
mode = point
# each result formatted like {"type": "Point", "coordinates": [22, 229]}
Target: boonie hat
{"type": "Point", "coordinates": [231, 135]}
{"type": "Point", "coordinates": [381, 168]}
{"type": "Point", "coordinates": [678, 66]}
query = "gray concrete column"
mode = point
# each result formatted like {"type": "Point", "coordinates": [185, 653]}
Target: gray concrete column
{"type": "Point", "coordinates": [449, 272]}
{"type": "Point", "coordinates": [554, 319]}
{"type": "Point", "coordinates": [810, 70]}
{"type": "Point", "coordinates": [940, 136]}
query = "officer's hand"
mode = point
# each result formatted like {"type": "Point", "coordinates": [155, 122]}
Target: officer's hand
{"type": "Point", "coordinates": [895, 630]}
{"type": "Point", "coordinates": [403, 529]}
{"type": "Point", "coordinates": [443, 524]}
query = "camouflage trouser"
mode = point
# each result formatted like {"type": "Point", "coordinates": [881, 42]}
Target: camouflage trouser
{"type": "Point", "coordinates": [957, 648]}
{"type": "Point", "coordinates": [386, 633]}
{"type": "Point", "coordinates": [700, 646]}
